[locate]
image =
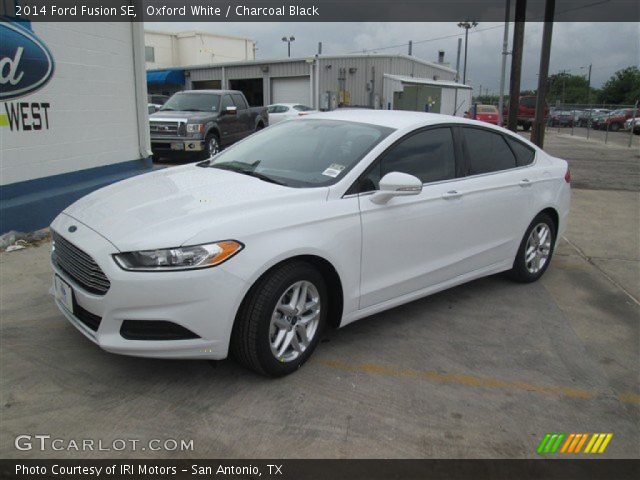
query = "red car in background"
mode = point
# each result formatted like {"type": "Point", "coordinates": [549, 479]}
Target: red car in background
{"type": "Point", "coordinates": [615, 120]}
{"type": "Point", "coordinates": [526, 112]}
{"type": "Point", "coordinates": [485, 113]}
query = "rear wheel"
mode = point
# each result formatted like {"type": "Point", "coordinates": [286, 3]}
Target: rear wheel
{"type": "Point", "coordinates": [526, 127]}
{"type": "Point", "coordinates": [536, 250]}
{"type": "Point", "coordinates": [280, 322]}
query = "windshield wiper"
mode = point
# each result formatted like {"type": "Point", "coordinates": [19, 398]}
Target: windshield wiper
{"type": "Point", "coordinates": [238, 168]}
{"type": "Point", "coordinates": [261, 176]}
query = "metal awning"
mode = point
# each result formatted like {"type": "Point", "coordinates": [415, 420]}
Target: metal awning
{"type": "Point", "coordinates": [165, 77]}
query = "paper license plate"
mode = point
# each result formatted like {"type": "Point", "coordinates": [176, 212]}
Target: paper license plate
{"type": "Point", "coordinates": [64, 293]}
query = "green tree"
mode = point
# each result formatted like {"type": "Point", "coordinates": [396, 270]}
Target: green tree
{"type": "Point", "coordinates": [622, 88]}
{"type": "Point", "coordinates": [567, 88]}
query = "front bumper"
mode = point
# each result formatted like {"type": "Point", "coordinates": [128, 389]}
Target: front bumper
{"type": "Point", "coordinates": [202, 301]}
{"type": "Point", "coordinates": [177, 145]}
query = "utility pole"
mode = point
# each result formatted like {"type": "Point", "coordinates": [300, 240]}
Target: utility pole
{"type": "Point", "coordinates": [505, 52]}
{"type": "Point", "coordinates": [455, 96]}
{"type": "Point", "coordinates": [410, 47]}
{"type": "Point", "coordinates": [516, 64]}
{"type": "Point", "coordinates": [466, 25]}
{"type": "Point", "coordinates": [589, 85]}
{"type": "Point", "coordinates": [537, 135]}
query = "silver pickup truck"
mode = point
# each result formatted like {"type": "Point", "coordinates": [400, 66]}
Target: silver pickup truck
{"type": "Point", "coordinates": [202, 122]}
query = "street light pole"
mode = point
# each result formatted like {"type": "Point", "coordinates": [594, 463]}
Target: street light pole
{"type": "Point", "coordinates": [537, 134]}
{"type": "Point", "coordinates": [466, 25]}
{"type": "Point", "coordinates": [505, 52]}
{"type": "Point", "coordinates": [288, 40]}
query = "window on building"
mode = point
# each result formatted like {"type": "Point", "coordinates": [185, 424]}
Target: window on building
{"type": "Point", "coordinates": [149, 54]}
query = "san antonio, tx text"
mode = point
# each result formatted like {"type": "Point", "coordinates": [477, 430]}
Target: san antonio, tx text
{"type": "Point", "coordinates": [142, 469]}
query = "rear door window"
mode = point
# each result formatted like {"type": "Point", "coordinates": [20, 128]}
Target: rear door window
{"type": "Point", "coordinates": [486, 151]}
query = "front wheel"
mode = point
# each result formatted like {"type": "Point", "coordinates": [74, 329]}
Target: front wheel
{"type": "Point", "coordinates": [280, 322]}
{"type": "Point", "coordinates": [211, 145]}
{"type": "Point", "coordinates": [536, 250]}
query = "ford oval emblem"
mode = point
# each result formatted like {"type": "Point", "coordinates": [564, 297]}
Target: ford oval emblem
{"type": "Point", "coordinates": [72, 228]}
{"type": "Point", "coordinates": [26, 64]}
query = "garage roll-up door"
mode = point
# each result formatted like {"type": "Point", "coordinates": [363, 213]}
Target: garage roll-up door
{"type": "Point", "coordinates": [291, 90]}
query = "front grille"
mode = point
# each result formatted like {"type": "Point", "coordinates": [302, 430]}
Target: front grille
{"type": "Point", "coordinates": [165, 128]}
{"type": "Point", "coordinates": [154, 330]}
{"type": "Point", "coordinates": [79, 266]}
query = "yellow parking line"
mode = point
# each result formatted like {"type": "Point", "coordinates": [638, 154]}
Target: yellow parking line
{"type": "Point", "coordinates": [470, 380]}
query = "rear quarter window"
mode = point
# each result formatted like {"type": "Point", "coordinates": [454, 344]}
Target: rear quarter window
{"type": "Point", "coordinates": [524, 154]}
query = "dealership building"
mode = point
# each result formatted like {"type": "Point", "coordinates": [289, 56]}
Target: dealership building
{"type": "Point", "coordinates": [73, 115]}
{"type": "Point", "coordinates": [326, 82]}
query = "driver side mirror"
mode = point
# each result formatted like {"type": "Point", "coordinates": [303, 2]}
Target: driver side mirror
{"type": "Point", "coordinates": [231, 110]}
{"type": "Point", "coordinates": [396, 184]}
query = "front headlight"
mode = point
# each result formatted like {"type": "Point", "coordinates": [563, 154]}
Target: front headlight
{"type": "Point", "coordinates": [195, 128]}
{"type": "Point", "coordinates": [180, 258]}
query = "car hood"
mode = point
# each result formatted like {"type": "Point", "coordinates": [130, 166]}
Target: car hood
{"type": "Point", "coordinates": [177, 114]}
{"type": "Point", "coordinates": [170, 207]}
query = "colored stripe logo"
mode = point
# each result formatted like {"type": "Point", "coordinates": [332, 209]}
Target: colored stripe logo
{"type": "Point", "coordinates": [574, 443]}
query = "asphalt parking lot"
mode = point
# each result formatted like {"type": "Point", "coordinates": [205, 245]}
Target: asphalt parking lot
{"type": "Point", "coordinates": [480, 371]}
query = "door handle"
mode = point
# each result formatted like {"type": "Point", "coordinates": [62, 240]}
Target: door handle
{"type": "Point", "coordinates": [525, 182]}
{"type": "Point", "coordinates": [451, 195]}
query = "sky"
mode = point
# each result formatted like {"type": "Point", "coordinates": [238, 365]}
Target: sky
{"type": "Point", "coordinates": [607, 46]}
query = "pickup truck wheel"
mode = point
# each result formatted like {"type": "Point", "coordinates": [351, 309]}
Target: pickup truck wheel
{"type": "Point", "coordinates": [211, 145]}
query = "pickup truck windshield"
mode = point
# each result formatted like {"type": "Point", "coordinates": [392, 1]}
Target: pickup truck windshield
{"type": "Point", "coordinates": [193, 102]}
{"type": "Point", "coordinates": [302, 153]}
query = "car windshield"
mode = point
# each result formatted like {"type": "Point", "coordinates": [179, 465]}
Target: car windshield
{"type": "Point", "coordinates": [302, 153]}
{"type": "Point", "coordinates": [302, 108]}
{"type": "Point", "coordinates": [193, 102]}
{"type": "Point", "coordinates": [487, 109]}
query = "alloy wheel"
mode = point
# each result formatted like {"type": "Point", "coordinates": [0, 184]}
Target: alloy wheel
{"type": "Point", "coordinates": [294, 321]}
{"type": "Point", "coordinates": [538, 248]}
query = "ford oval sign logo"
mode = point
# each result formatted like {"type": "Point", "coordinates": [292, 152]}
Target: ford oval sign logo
{"type": "Point", "coordinates": [72, 228]}
{"type": "Point", "coordinates": [26, 64]}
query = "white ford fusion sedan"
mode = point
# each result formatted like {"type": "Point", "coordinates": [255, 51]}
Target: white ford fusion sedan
{"type": "Point", "coordinates": [319, 221]}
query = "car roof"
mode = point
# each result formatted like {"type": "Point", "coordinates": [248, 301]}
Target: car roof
{"type": "Point", "coordinates": [395, 119]}
{"type": "Point", "coordinates": [219, 92]}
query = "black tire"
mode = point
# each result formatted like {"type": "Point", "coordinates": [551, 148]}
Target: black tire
{"type": "Point", "coordinates": [526, 127]}
{"type": "Point", "coordinates": [250, 342]}
{"type": "Point", "coordinates": [615, 127]}
{"type": "Point", "coordinates": [259, 127]}
{"type": "Point", "coordinates": [207, 153]}
{"type": "Point", "coordinates": [519, 272]}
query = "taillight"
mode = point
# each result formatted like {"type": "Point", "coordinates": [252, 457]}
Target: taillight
{"type": "Point", "coordinates": [567, 176]}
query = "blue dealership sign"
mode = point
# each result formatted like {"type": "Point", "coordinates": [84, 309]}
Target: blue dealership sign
{"type": "Point", "coordinates": [26, 64]}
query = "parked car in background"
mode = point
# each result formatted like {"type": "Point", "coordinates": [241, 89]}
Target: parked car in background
{"type": "Point", "coordinates": [320, 221]}
{"type": "Point", "coordinates": [485, 113]}
{"type": "Point", "coordinates": [561, 118]}
{"type": "Point", "coordinates": [282, 111]}
{"type": "Point", "coordinates": [202, 122]}
{"type": "Point", "coordinates": [615, 120]}
{"type": "Point", "coordinates": [597, 121]}
{"type": "Point", "coordinates": [586, 117]}
{"type": "Point", "coordinates": [633, 123]}
{"type": "Point", "coordinates": [526, 112]}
